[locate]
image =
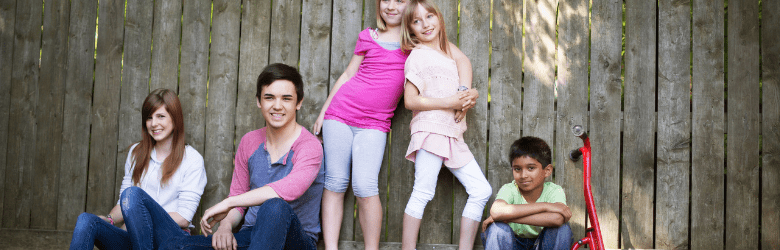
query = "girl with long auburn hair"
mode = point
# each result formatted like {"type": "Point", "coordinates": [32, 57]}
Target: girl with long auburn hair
{"type": "Point", "coordinates": [161, 189]}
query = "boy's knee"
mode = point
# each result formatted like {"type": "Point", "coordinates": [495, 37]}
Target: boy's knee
{"type": "Point", "coordinates": [276, 207]}
{"type": "Point", "coordinates": [497, 228]}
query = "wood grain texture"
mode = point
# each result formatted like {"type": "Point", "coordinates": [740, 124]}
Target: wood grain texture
{"type": "Point", "coordinates": [539, 69]}
{"type": "Point", "coordinates": [315, 44]}
{"type": "Point", "coordinates": [135, 88]}
{"type": "Point", "coordinates": [369, 13]}
{"type": "Point", "coordinates": [196, 22]}
{"type": "Point", "coordinates": [639, 125]}
{"type": "Point", "coordinates": [7, 20]}
{"type": "Point", "coordinates": [572, 85]}
{"type": "Point", "coordinates": [285, 32]}
{"type": "Point", "coordinates": [770, 121]}
{"type": "Point", "coordinates": [16, 239]}
{"type": "Point", "coordinates": [742, 104]}
{"type": "Point", "coordinates": [346, 25]}
{"type": "Point", "coordinates": [674, 126]}
{"type": "Point", "coordinates": [707, 152]}
{"type": "Point", "coordinates": [48, 114]}
{"type": "Point", "coordinates": [97, 105]}
{"type": "Point", "coordinates": [220, 112]}
{"type": "Point", "coordinates": [400, 173]}
{"type": "Point", "coordinates": [255, 34]}
{"type": "Point", "coordinates": [22, 119]}
{"type": "Point", "coordinates": [166, 35]}
{"type": "Point", "coordinates": [605, 115]}
{"type": "Point", "coordinates": [193, 77]}
{"type": "Point", "coordinates": [474, 42]}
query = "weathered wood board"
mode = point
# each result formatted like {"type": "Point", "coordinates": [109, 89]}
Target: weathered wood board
{"type": "Point", "coordinates": [770, 121]}
{"type": "Point", "coordinates": [166, 36]}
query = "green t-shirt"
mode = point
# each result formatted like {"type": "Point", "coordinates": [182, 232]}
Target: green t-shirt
{"type": "Point", "coordinates": [510, 193]}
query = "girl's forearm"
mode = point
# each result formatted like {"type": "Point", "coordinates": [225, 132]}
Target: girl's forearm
{"type": "Point", "coordinates": [116, 215]}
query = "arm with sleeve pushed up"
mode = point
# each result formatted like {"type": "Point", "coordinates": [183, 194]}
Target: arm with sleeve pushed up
{"type": "Point", "coordinates": [542, 214]}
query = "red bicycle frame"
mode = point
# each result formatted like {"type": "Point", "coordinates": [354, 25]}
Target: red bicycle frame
{"type": "Point", "coordinates": [593, 233]}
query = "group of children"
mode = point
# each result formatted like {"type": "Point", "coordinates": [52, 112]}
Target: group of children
{"type": "Point", "coordinates": [279, 189]}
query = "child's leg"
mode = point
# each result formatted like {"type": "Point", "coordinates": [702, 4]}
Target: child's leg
{"type": "Point", "coordinates": [368, 149]}
{"type": "Point", "coordinates": [426, 173]}
{"type": "Point", "coordinates": [556, 238]}
{"type": "Point", "coordinates": [499, 236]}
{"type": "Point", "coordinates": [479, 191]}
{"type": "Point", "coordinates": [337, 144]}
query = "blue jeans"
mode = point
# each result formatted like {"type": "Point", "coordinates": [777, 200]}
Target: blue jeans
{"type": "Point", "coordinates": [148, 224]}
{"type": "Point", "coordinates": [500, 236]}
{"type": "Point", "coordinates": [92, 231]}
{"type": "Point", "coordinates": [277, 227]}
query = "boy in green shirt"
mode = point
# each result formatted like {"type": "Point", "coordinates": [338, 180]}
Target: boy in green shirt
{"type": "Point", "coordinates": [528, 213]}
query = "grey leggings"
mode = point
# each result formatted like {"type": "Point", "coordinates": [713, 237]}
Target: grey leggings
{"type": "Point", "coordinates": [362, 149]}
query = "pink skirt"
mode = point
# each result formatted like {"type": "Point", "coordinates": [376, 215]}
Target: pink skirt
{"type": "Point", "coordinates": [453, 150]}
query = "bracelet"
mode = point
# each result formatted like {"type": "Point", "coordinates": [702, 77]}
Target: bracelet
{"type": "Point", "coordinates": [462, 88]}
{"type": "Point", "coordinates": [110, 219]}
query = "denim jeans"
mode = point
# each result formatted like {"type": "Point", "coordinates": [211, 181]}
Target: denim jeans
{"type": "Point", "coordinates": [500, 236]}
{"type": "Point", "coordinates": [92, 231]}
{"type": "Point", "coordinates": [148, 224]}
{"type": "Point", "coordinates": [277, 227]}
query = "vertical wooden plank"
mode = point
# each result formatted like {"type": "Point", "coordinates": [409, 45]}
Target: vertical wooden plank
{"type": "Point", "coordinates": [475, 43]}
{"type": "Point", "coordinates": [400, 173]}
{"type": "Point", "coordinates": [572, 85]}
{"type": "Point", "coordinates": [742, 103]}
{"type": "Point", "coordinates": [639, 125]}
{"type": "Point", "coordinates": [539, 68]}
{"type": "Point", "coordinates": [315, 44]}
{"type": "Point", "coordinates": [166, 32]}
{"type": "Point", "coordinates": [605, 90]}
{"type": "Point", "coordinates": [196, 20]}
{"type": "Point", "coordinates": [21, 127]}
{"type": "Point", "coordinates": [369, 13]}
{"type": "Point", "coordinates": [285, 32]}
{"type": "Point", "coordinates": [674, 131]}
{"type": "Point", "coordinates": [220, 112]}
{"type": "Point", "coordinates": [135, 88]}
{"type": "Point", "coordinates": [707, 155]}
{"type": "Point", "coordinates": [194, 69]}
{"type": "Point", "coordinates": [346, 25]}
{"type": "Point", "coordinates": [7, 23]}
{"type": "Point", "coordinates": [770, 196]}
{"type": "Point", "coordinates": [506, 86]}
{"type": "Point", "coordinates": [106, 60]}
{"type": "Point", "coordinates": [255, 28]}
{"type": "Point", "coordinates": [48, 113]}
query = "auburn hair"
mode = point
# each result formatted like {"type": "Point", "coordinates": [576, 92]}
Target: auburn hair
{"type": "Point", "coordinates": [408, 39]}
{"type": "Point", "coordinates": [143, 152]}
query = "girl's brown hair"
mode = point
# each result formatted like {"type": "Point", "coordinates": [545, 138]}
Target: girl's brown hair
{"type": "Point", "coordinates": [408, 39]}
{"type": "Point", "coordinates": [143, 152]}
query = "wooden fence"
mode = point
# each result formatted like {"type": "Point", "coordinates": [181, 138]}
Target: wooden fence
{"type": "Point", "coordinates": [652, 82]}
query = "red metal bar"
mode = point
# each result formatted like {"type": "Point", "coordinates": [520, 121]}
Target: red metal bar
{"type": "Point", "coordinates": [597, 242]}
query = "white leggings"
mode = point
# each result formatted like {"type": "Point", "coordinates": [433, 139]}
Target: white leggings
{"type": "Point", "coordinates": [426, 173]}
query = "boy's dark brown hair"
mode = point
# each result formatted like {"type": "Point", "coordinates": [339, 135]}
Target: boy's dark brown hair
{"type": "Point", "coordinates": [533, 147]}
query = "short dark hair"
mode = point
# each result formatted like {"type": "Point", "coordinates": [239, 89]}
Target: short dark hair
{"type": "Point", "coordinates": [533, 147]}
{"type": "Point", "coordinates": [279, 71]}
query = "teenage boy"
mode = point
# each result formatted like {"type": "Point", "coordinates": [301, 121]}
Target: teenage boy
{"type": "Point", "coordinates": [277, 180]}
{"type": "Point", "coordinates": [528, 213]}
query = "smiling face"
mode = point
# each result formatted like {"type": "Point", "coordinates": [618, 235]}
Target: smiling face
{"type": "Point", "coordinates": [279, 103]}
{"type": "Point", "coordinates": [391, 11]}
{"type": "Point", "coordinates": [425, 25]}
{"type": "Point", "coordinates": [529, 175]}
{"type": "Point", "coordinates": [160, 125]}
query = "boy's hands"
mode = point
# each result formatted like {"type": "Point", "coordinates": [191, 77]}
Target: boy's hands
{"type": "Point", "coordinates": [561, 209]}
{"type": "Point", "coordinates": [223, 239]}
{"type": "Point", "coordinates": [487, 223]}
{"type": "Point", "coordinates": [216, 214]}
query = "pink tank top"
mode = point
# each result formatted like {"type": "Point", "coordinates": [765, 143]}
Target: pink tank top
{"type": "Point", "coordinates": [368, 99]}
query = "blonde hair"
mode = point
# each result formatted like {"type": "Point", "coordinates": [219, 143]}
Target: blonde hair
{"type": "Point", "coordinates": [408, 39]}
{"type": "Point", "coordinates": [380, 23]}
